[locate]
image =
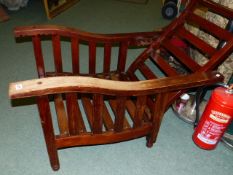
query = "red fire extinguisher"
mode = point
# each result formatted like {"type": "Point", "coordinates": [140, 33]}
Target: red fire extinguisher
{"type": "Point", "coordinates": [215, 119]}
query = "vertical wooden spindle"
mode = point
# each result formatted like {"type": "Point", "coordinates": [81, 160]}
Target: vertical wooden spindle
{"type": "Point", "coordinates": [38, 56]}
{"type": "Point", "coordinates": [57, 53]}
{"type": "Point", "coordinates": [120, 114]}
{"type": "Point", "coordinates": [139, 111]}
{"type": "Point", "coordinates": [88, 107]}
{"type": "Point", "coordinates": [107, 57]}
{"type": "Point", "coordinates": [92, 57]}
{"type": "Point", "coordinates": [122, 56]}
{"type": "Point", "coordinates": [97, 113]}
{"type": "Point", "coordinates": [62, 118]}
{"type": "Point", "coordinates": [75, 54]}
{"type": "Point", "coordinates": [72, 110]}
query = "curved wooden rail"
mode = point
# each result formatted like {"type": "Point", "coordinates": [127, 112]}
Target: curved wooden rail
{"type": "Point", "coordinates": [137, 38]}
{"type": "Point", "coordinates": [54, 85]}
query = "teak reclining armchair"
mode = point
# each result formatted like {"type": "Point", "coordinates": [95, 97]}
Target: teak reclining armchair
{"type": "Point", "coordinates": [118, 104]}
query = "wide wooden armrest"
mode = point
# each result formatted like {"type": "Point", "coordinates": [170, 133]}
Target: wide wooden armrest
{"type": "Point", "coordinates": [53, 85]}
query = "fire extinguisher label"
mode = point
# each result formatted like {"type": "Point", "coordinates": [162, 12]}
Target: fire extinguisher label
{"type": "Point", "coordinates": [213, 129]}
{"type": "Point", "coordinates": [206, 140]}
{"type": "Point", "coordinates": [219, 116]}
{"type": "Point", "coordinates": [211, 132]}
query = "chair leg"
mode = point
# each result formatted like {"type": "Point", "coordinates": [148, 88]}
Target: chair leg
{"type": "Point", "coordinates": [151, 138]}
{"type": "Point", "coordinates": [47, 126]}
{"type": "Point", "coordinates": [158, 113]}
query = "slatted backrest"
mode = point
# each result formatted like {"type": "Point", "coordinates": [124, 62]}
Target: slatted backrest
{"type": "Point", "coordinates": [163, 49]}
{"type": "Point", "coordinates": [213, 53]}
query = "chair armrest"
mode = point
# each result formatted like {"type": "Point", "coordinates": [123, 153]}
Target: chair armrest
{"type": "Point", "coordinates": [53, 85]}
{"type": "Point", "coordinates": [134, 39]}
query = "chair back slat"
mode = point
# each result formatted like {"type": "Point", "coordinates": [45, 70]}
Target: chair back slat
{"type": "Point", "coordinates": [57, 53]}
{"type": "Point", "coordinates": [75, 54]}
{"type": "Point", "coordinates": [92, 57]}
{"type": "Point", "coordinates": [146, 71]}
{"type": "Point", "coordinates": [139, 60]}
{"type": "Point", "coordinates": [38, 56]}
{"type": "Point", "coordinates": [219, 57]}
{"type": "Point", "coordinates": [107, 57]}
{"type": "Point", "coordinates": [122, 56]}
{"type": "Point", "coordinates": [181, 56]}
{"type": "Point", "coordinates": [195, 41]}
{"type": "Point", "coordinates": [210, 27]}
{"type": "Point", "coordinates": [133, 77]}
{"type": "Point", "coordinates": [168, 70]}
{"type": "Point", "coordinates": [217, 8]}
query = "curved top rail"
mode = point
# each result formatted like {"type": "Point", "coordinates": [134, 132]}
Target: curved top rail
{"type": "Point", "coordinates": [73, 32]}
{"type": "Point", "coordinates": [53, 85]}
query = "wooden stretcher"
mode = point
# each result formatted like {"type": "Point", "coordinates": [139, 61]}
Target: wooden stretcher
{"type": "Point", "coordinates": [121, 103]}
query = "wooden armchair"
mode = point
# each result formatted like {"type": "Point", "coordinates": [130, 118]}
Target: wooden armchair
{"type": "Point", "coordinates": [122, 104]}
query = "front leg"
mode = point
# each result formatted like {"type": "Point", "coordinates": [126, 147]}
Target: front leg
{"type": "Point", "coordinates": [158, 111]}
